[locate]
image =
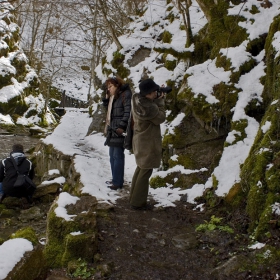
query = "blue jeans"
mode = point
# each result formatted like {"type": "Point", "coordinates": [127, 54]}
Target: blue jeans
{"type": "Point", "coordinates": [117, 165]}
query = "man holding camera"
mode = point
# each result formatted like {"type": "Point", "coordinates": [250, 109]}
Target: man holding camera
{"type": "Point", "coordinates": [148, 113]}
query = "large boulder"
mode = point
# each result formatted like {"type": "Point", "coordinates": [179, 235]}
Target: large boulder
{"type": "Point", "coordinates": [71, 230]}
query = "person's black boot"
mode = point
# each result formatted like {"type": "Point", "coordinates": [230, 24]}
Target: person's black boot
{"type": "Point", "coordinates": [114, 188]}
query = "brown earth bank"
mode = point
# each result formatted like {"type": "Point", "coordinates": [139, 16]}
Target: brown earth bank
{"type": "Point", "coordinates": [163, 244]}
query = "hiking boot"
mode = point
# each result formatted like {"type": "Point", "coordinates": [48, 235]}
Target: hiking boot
{"type": "Point", "coordinates": [114, 188]}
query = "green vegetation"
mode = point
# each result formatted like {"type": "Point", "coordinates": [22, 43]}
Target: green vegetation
{"type": "Point", "coordinates": [214, 224]}
{"type": "Point", "coordinates": [80, 269]}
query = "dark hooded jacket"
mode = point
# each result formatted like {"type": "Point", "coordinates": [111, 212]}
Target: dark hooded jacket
{"type": "Point", "coordinates": [8, 173]}
{"type": "Point", "coordinates": [119, 114]}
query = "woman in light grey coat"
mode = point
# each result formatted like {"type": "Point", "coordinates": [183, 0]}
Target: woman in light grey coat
{"type": "Point", "coordinates": [148, 113]}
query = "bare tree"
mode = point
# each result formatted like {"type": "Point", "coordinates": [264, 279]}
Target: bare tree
{"type": "Point", "coordinates": [183, 7]}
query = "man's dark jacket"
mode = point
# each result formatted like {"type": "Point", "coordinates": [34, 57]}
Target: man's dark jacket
{"type": "Point", "coordinates": [8, 173]}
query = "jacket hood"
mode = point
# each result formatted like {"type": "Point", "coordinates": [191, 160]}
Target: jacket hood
{"type": "Point", "coordinates": [18, 157]}
{"type": "Point", "coordinates": [143, 107]}
{"type": "Point", "coordinates": [124, 87]}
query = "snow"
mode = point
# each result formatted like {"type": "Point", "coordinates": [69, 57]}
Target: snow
{"type": "Point", "coordinates": [63, 200]}
{"type": "Point", "coordinates": [11, 252]}
{"type": "Point", "coordinates": [210, 75]}
{"type": "Point", "coordinates": [257, 246]}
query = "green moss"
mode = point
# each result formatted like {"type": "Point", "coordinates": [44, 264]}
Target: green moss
{"type": "Point", "coordinates": [31, 113]}
{"type": "Point", "coordinates": [27, 233]}
{"type": "Point", "coordinates": [20, 66]}
{"type": "Point", "coordinates": [118, 59]}
{"type": "Point", "coordinates": [257, 45]}
{"type": "Point", "coordinates": [78, 245]}
{"type": "Point", "coordinates": [261, 259]}
{"type": "Point", "coordinates": [57, 229]}
{"type": "Point", "coordinates": [185, 161]}
{"type": "Point", "coordinates": [252, 175]}
{"type": "Point", "coordinates": [157, 182]}
{"type": "Point", "coordinates": [239, 128]}
{"type": "Point", "coordinates": [53, 103]}
{"type": "Point", "coordinates": [169, 8]}
{"type": "Point", "coordinates": [103, 61]}
{"type": "Point", "coordinates": [96, 98]}
{"type": "Point", "coordinates": [166, 37]}
{"type": "Point", "coordinates": [177, 139]}
{"type": "Point", "coordinates": [254, 10]}
{"type": "Point", "coordinates": [15, 107]}
{"type": "Point", "coordinates": [179, 55]}
{"type": "Point", "coordinates": [263, 226]}
{"type": "Point", "coordinates": [107, 71]}
{"type": "Point", "coordinates": [123, 71]}
{"type": "Point", "coordinates": [170, 64]}
{"type": "Point", "coordinates": [170, 17]}
{"type": "Point", "coordinates": [224, 62]}
{"type": "Point", "coordinates": [156, 23]}
{"type": "Point", "coordinates": [223, 30]}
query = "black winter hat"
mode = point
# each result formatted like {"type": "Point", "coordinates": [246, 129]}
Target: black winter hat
{"type": "Point", "coordinates": [147, 86]}
{"type": "Point", "coordinates": [17, 148]}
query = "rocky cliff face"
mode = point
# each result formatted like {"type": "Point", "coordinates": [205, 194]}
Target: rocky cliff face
{"type": "Point", "coordinates": [21, 102]}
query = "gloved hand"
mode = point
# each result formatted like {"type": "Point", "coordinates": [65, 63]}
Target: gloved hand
{"type": "Point", "coordinates": [119, 131]}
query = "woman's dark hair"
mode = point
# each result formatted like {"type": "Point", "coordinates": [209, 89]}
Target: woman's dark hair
{"type": "Point", "coordinates": [116, 81]}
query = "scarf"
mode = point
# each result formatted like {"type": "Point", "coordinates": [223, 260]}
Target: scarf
{"type": "Point", "coordinates": [108, 117]}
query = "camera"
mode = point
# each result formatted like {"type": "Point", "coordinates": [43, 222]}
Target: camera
{"type": "Point", "coordinates": [161, 90]}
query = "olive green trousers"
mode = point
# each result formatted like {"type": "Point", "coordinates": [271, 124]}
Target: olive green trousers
{"type": "Point", "coordinates": [140, 187]}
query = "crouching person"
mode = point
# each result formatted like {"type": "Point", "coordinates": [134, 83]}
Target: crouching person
{"type": "Point", "coordinates": [10, 167]}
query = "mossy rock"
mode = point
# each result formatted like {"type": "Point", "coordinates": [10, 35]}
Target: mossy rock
{"type": "Point", "coordinates": [31, 266]}
{"type": "Point", "coordinates": [166, 37]}
{"type": "Point", "coordinates": [65, 237]}
{"type": "Point", "coordinates": [27, 233]}
{"type": "Point", "coordinates": [235, 195]}
{"type": "Point", "coordinates": [82, 245]}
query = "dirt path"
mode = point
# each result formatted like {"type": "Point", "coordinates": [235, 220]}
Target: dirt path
{"type": "Point", "coordinates": [160, 244]}
{"type": "Point", "coordinates": [163, 244]}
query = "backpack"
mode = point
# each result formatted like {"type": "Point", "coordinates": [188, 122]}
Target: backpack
{"type": "Point", "coordinates": [129, 133]}
{"type": "Point", "coordinates": [23, 184]}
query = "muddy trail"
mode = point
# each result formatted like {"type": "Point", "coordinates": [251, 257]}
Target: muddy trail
{"type": "Point", "coordinates": [163, 244]}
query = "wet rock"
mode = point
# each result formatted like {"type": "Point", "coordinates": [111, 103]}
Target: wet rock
{"type": "Point", "coordinates": [69, 240]}
{"type": "Point", "coordinates": [31, 266]}
{"type": "Point", "coordinates": [51, 175]}
{"type": "Point", "coordinates": [36, 130]}
{"type": "Point", "coordinates": [157, 221]}
{"type": "Point", "coordinates": [185, 241]}
{"type": "Point", "coordinates": [151, 236]}
{"type": "Point", "coordinates": [218, 238]}
{"type": "Point", "coordinates": [45, 189]}
{"type": "Point", "coordinates": [7, 213]}
{"type": "Point", "coordinates": [228, 268]}
{"type": "Point", "coordinates": [85, 203]}
{"type": "Point", "coordinates": [31, 214]}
